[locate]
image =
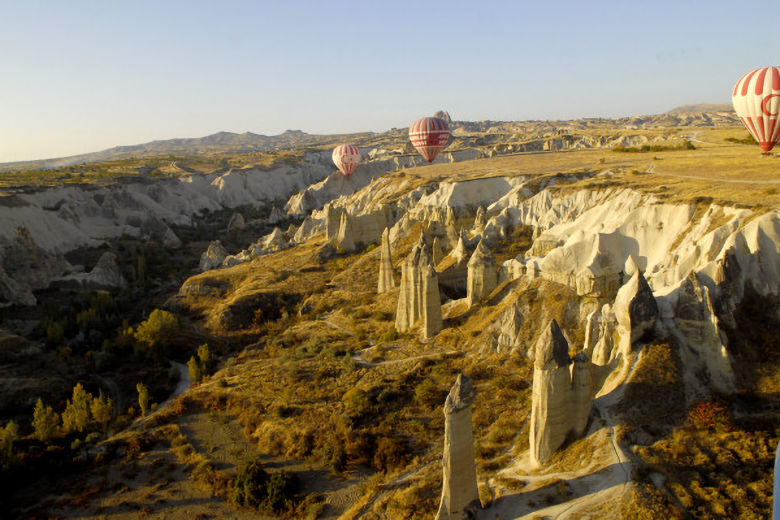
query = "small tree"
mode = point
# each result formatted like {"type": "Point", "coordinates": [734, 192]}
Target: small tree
{"type": "Point", "coordinates": [76, 414]}
{"type": "Point", "coordinates": [143, 398]}
{"type": "Point", "coordinates": [194, 369]}
{"type": "Point", "coordinates": [204, 355]}
{"type": "Point", "coordinates": [8, 436]}
{"type": "Point", "coordinates": [157, 331]}
{"type": "Point", "coordinates": [101, 410]}
{"type": "Point", "coordinates": [45, 422]}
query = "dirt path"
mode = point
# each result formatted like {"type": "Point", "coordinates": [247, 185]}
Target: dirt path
{"type": "Point", "coordinates": [358, 358]}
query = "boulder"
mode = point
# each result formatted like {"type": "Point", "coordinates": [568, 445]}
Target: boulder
{"type": "Point", "coordinates": [213, 256]}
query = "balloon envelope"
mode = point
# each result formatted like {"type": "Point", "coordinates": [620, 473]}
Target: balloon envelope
{"type": "Point", "coordinates": [346, 158]}
{"type": "Point", "coordinates": [756, 99]}
{"type": "Point", "coordinates": [429, 135]}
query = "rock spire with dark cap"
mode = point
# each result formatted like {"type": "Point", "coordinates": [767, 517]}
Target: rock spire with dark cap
{"type": "Point", "coordinates": [459, 493]}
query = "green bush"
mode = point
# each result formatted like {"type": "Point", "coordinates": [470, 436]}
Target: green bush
{"type": "Point", "coordinates": [427, 394]}
{"type": "Point", "coordinates": [254, 487]}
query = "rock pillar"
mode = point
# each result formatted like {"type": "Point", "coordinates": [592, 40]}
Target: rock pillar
{"type": "Point", "coordinates": [386, 276]}
{"type": "Point", "coordinates": [482, 274]}
{"type": "Point", "coordinates": [459, 493]}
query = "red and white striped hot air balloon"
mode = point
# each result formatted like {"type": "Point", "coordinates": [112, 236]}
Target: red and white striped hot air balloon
{"type": "Point", "coordinates": [429, 135]}
{"type": "Point", "coordinates": [346, 157]}
{"type": "Point", "coordinates": [756, 101]}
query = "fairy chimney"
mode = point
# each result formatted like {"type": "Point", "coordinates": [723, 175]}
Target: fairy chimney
{"type": "Point", "coordinates": [459, 493]}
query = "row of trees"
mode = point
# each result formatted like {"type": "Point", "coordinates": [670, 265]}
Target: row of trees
{"type": "Point", "coordinates": [82, 412]}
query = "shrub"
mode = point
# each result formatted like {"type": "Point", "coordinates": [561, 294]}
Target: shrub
{"type": "Point", "coordinates": [254, 487]}
{"type": "Point", "coordinates": [389, 454]}
{"type": "Point", "coordinates": [427, 394]}
{"type": "Point", "coordinates": [708, 415]}
{"type": "Point", "coordinates": [356, 402]}
{"type": "Point", "coordinates": [389, 335]}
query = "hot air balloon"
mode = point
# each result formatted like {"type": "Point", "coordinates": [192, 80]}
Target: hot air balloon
{"type": "Point", "coordinates": [346, 157]}
{"type": "Point", "coordinates": [756, 101]}
{"type": "Point", "coordinates": [429, 135]}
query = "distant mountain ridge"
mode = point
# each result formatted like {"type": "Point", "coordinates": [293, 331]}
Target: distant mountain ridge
{"type": "Point", "coordinates": [218, 142]}
{"type": "Point", "coordinates": [702, 107]}
{"type": "Point", "coordinates": [230, 142]}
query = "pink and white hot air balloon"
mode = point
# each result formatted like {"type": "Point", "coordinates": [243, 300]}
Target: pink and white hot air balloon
{"type": "Point", "coordinates": [429, 135]}
{"type": "Point", "coordinates": [756, 101]}
{"type": "Point", "coordinates": [346, 157]}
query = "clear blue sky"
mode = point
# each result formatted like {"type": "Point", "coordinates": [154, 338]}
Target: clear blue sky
{"type": "Point", "coordinates": [78, 76]}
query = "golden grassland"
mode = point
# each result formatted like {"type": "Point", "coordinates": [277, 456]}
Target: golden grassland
{"type": "Point", "coordinates": [716, 171]}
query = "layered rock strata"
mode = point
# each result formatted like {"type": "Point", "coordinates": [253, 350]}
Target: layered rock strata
{"type": "Point", "coordinates": [459, 493]}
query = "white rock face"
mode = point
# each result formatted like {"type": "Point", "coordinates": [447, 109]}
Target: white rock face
{"type": "Point", "coordinates": [236, 223]}
{"type": "Point", "coordinates": [213, 256]}
{"type": "Point", "coordinates": [480, 220]}
{"type": "Point", "coordinates": [635, 309]}
{"type": "Point", "coordinates": [562, 394]}
{"type": "Point", "coordinates": [386, 272]}
{"type": "Point", "coordinates": [276, 216]}
{"type": "Point", "coordinates": [344, 238]}
{"type": "Point", "coordinates": [105, 275]}
{"type": "Point", "coordinates": [508, 328]}
{"type": "Point", "coordinates": [696, 319]}
{"type": "Point", "coordinates": [459, 493]}
{"type": "Point", "coordinates": [26, 267]}
{"type": "Point", "coordinates": [482, 274]}
{"type": "Point", "coordinates": [432, 318]}
{"type": "Point", "coordinates": [274, 241]}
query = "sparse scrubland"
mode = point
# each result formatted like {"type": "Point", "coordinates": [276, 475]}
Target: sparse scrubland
{"type": "Point", "coordinates": [306, 402]}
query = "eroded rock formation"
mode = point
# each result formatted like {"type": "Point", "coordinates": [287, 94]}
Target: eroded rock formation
{"type": "Point", "coordinates": [562, 394]}
{"type": "Point", "coordinates": [386, 274]}
{"type": "Point", "coordinates": [482, 274]}
{"type": "Point", "coordinates": [459, 492]}
{"type": "Point", "coordinates": [26, 267]}
{"type": "Point", "coordinates": [237, 223]}
{"type": "Point", "coordinates": [635, 309]}
{"type": "Point", "coordinates": [275, 216]}
{"type": "Point", "coordinates": [213, 256]}
{"type": "Point", "coordinates": [419, 295]}
{"type": "Point", "coordinates": [105, 275]}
